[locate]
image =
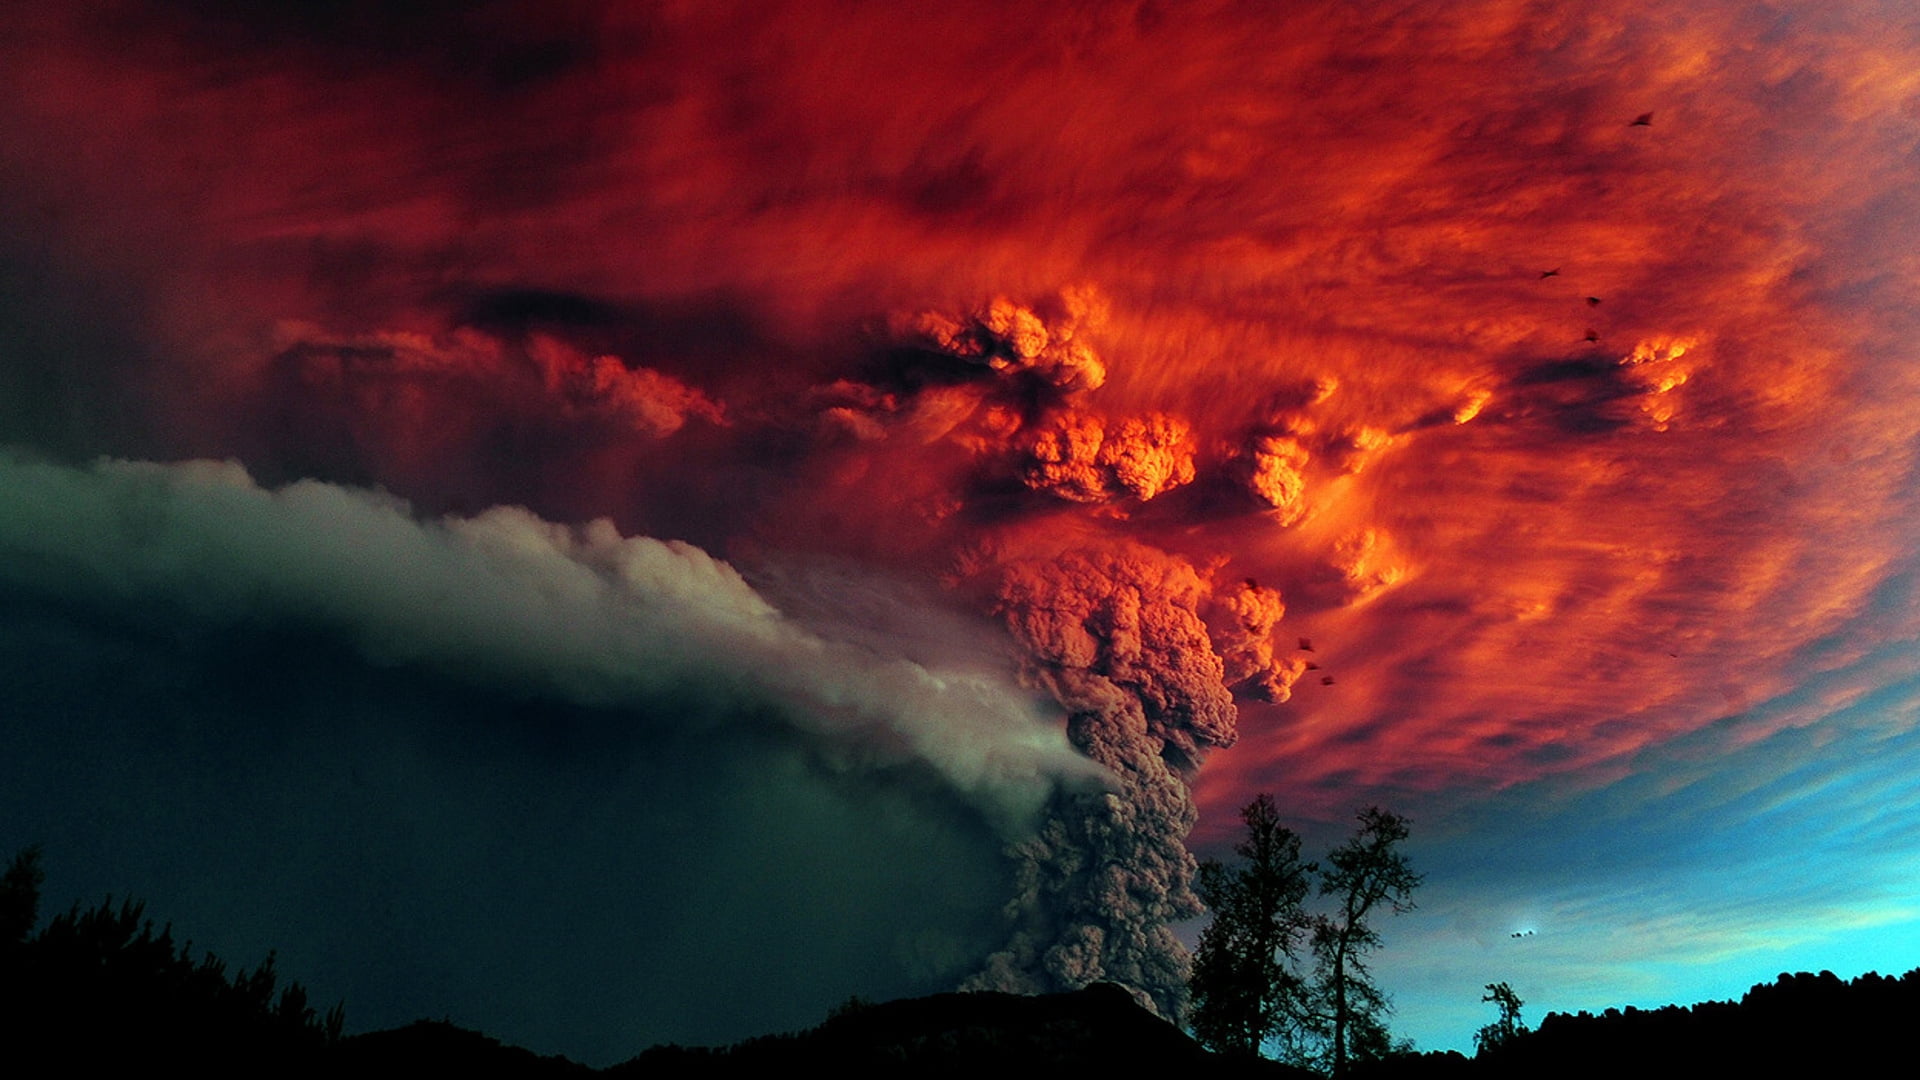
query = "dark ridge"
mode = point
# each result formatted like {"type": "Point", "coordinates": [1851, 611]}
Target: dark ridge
{"type": "Point", "coordinates": [1100, 1027]}
{"type": "Point", "coordinates": [439, 1048]}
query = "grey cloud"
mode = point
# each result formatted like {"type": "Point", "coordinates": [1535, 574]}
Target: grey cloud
{"type": "Point", "coordinates": [504, 597]}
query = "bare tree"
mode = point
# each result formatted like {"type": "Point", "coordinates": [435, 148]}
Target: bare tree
{"type": "Point", "coordinates": [1363, 875]}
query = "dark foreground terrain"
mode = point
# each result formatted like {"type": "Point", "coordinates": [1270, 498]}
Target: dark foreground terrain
{"type": "Point", "coordinates": [1099, 1027]}
{"type": "Point", "coordinates": [103, 990]}
{"type": "Point", "coordinates": [106, 990]}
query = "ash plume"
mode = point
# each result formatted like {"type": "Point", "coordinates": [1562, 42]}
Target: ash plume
{"type": "Point", "coordinates": [1049, 344]}
{"type": "Point", "coordinates": [1117, 636]}
{"type": "Point", "coordinates": [1135, 644]}
{"type": "Point", "coordinates": [389, 374]}
{"type": "Point", "coordinates": [1081, 459]}
{"type": "Point", "coordinates": [760, 279]}
{"type": "Point", "coordinates": [508, 600]}
{"type": "Point", "coordinates": [1241, 621]}
{"type": "Point", "coordinates": [1273, 472]}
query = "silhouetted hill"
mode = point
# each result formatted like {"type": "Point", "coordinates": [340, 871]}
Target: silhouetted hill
{"type": "Point", "coordinates": [438, 1048]}
{"type": "Point", "coordinates": [1100, 1027]}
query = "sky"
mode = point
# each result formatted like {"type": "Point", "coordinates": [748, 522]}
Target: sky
{"type": "Point", "coordinates": [626, 523]}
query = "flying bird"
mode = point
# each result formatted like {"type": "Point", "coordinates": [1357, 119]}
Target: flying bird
{"type": "Point", "coordinates": [1306, 644]}
{"type": "Point", "coordinates": [1645, 119]}
{"type": "Point", "coordinates": [1593, 301]}
{"type": "Point", "coordinates": [1592, 338]}
{"type": "Point", "coordinates": [1326, 680]}
{"type": "Point", "coordinates": [1545, 274]}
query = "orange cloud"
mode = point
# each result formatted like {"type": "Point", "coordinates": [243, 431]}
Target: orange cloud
{"type": "Point", "coordinates": [1302, 297]}
{"type": "Point", "coordinates": [1079, 458]}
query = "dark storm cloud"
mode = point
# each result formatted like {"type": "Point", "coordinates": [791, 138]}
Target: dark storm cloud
{"type": "Point", "coordinates": [499, 46]}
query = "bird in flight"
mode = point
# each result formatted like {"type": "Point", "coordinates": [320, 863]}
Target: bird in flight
{"type": "Point", "coordinates": [1593, 301]}
{"type": "Point", "coordinates": [1645, 119]}
{"type": "Point", "coordinates": [1545, 274]}
{"type": "Point", "coordinates": [1326, 680]}
{"type": "Point", "coordinates": [1592, 338]}
{"type": "Point", "coordinates": [1306, 644]}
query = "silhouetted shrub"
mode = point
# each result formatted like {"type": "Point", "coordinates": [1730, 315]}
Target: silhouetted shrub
{"type": "Point", "coordinates": [101, 987]}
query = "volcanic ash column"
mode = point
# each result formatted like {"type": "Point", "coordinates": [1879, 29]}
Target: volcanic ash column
{"type": "Point", "coordinates": [1118, 638]}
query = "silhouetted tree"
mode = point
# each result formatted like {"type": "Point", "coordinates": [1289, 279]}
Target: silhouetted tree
{"type": "Point", "coordinates": [1502, 1030]}
{"type": "Point", "coordinates": [20, 897]}
{"type": "Point", "coordinates": [104, 989]}
{"type": "Point", "coordinates": [1363, 874]}
{"type": "Point", "coordinates": [1245, 988]}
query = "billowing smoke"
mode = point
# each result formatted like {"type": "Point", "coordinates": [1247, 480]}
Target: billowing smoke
{"type": "Point", "coordinates": [416, 410]}
{"type": "Point", "coordinates": [1273, 470]}
{"type": "Point", "coordinates": [1116, 634]}
{"type": "Point", "coordinates": [1051, 345]}
{"type": "Point", "coordinates": [1241, 621]}
{"type": "Point", "coordinates": [581, 613]}
{"type": "Point", "coordinates": [1140, 648]}
{"type": "Point", "coordinates": [539, 376]}
{"type": "Point", "coordinates": [1080, 458]}
{"type": "Point", "coordinates": [1564, 436]}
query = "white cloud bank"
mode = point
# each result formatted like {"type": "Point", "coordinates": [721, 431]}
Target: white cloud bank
{"type": "Point", "coordinates": [505, 597]}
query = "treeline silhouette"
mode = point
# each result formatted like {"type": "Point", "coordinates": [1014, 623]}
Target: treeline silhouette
{"type": "Point", "coordinates": [1811, 1024]}
{"type": "Point", "coordinates": [101, 988]}
{"type": "Point", "coordinates": [1799, 1024]}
